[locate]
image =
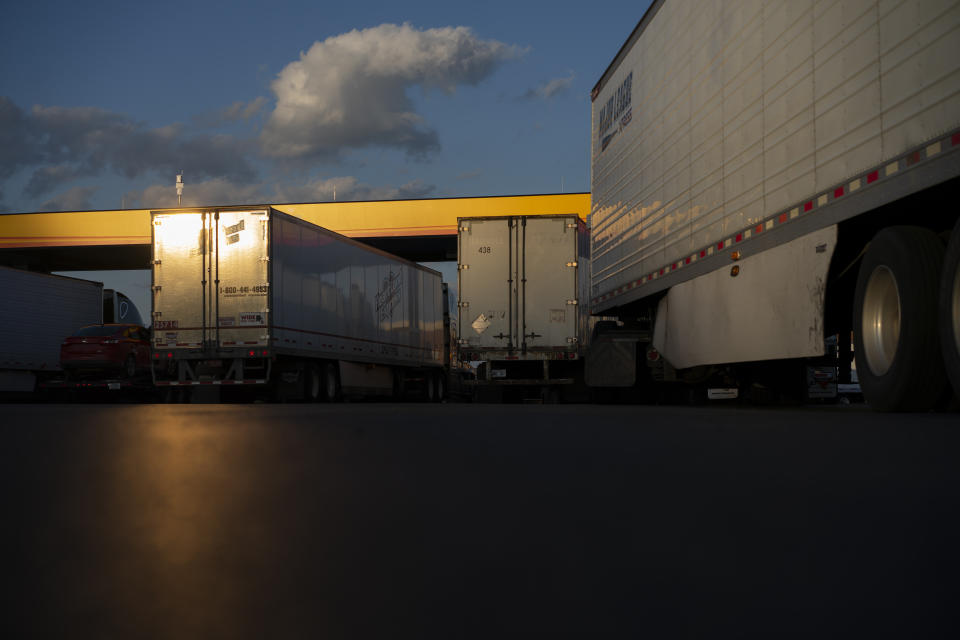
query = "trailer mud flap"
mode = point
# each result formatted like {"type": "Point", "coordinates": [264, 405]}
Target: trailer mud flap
{"type": "Point", "coordinates": [763, 307]}
{"type": "Point", "coordinates": [611, 363]}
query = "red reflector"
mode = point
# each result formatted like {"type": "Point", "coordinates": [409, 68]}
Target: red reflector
{"type": "Point", "coordinates": [264, 353]}
{"type": "Point", "coordinates": [955, 140]}
{"type": "Point", "coordinates": [719, 245]}
{"type": "Point", "coordinates": [739, 237]}
{"type": "Point", "coordinates": [808, 206]}
{"type": "Point", "coordinates": [783, 218]}
{"type": "Point", "coordinates": [873, 176]}
{"type": "Point", "coordinates": [252, 353]}
{"type": "Point", "coordinates": [169, 354]}
{"type": "Point", "coordinates": [703, 254]}
{"type": "Point", "coordinates": [838, 192]}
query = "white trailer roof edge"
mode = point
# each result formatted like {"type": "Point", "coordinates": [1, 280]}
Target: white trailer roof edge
{"type": "Point", "coordinates": [276, 212]}
{"type": "Point", "coordinates": [634, 36]}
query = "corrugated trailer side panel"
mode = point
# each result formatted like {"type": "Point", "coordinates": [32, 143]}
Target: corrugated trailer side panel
{"type": "Point", "coordinates": [720, 121]}
{"type": "Point", "coordinates": [333, 297]}
{"type": "Point", "coordinates": [41, 310]}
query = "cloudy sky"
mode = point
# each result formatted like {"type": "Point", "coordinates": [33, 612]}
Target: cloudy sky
{"type": "Point", "coordinates": [103, 103]}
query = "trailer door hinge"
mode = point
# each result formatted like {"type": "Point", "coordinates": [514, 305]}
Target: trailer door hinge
{"type": "Point", "coordinates": [462, 267]}
{"type": "Point", "coordinates": [572, 340]}
{"type": "Point", "coordinates": [463, 305]}
{"type": "Point", "coordinates": [571, 264]}
{"type": "Point", "coordinates": [571, 302]}
{"type": "Point", "coordinates": [571, 225]}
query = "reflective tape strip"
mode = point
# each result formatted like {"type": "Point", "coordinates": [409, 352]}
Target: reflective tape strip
{"type": "Point", "coordinates": [804, 208]}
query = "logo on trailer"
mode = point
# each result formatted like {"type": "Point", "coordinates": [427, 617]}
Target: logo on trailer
{"type": "Point", "coordinates": [251, 318]}
{"type": "Point", "coordinates": [389, 295]}
{"type": "Point", "coordinates": [617, 112]}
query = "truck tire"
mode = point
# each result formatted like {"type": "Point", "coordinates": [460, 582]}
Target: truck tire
{"type": "Point", "coordinates": [441, 390]}
{"type": "Point", "coordinates": [950, 310]}
{"type": "Point", "coordinates": [313, 384]}
{"type": "Point", "coordinates": [331, 383]}
{"type": "Point", "coordinates": [429, 387]}
{"type": "Point", "coordinates": [896, 342]}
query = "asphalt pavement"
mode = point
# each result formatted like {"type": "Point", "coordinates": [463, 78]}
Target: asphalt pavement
{"type": "Point", "coordinates": [479, 521]}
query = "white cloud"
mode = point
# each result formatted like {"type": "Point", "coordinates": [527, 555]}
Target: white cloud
{"type": "Point", "coordinates": [244, 110]}
{"type": "Point", "coordinates": [217, 191]}
{"type": "Point", "coordinates": [62, 144]}
{"type": "Point", "coordinates": [224, 192]}
{"type": "Point", "coordinates": [237, 112]}
{"type": "Point", "coordinates": [350, 91]}
{"type": "Point", "coordinates": [347, 188]}
{"type": "Point", "coordinates": [550, 88]}
{"type": "Point", "coordinates": [75, 199]}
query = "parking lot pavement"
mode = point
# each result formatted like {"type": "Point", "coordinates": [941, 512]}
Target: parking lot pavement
{"type": "Point", "coordinates": [372, 520]}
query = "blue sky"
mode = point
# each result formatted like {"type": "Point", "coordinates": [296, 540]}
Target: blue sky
{"type": "Point", "coordinates": [102, 103]}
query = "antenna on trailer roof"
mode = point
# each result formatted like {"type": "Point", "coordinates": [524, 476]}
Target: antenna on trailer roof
{"type": "Point", "coordinates": [179, 186]}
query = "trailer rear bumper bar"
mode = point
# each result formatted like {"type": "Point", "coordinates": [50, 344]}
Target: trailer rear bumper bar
{"type": "Point", "coordinates": [201, 383]}
{"type": "Point", "coordinates": [496, 382]}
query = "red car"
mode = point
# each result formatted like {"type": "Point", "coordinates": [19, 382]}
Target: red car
{"type": "Point", "coordinates": [107, 349]}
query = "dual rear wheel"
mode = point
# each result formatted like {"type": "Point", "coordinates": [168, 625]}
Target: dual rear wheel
{"type": "Point", "coordinates": [907, 319]}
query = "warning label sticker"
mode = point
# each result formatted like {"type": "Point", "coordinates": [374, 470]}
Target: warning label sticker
{"type": "Point", "coordinates": [251, 318]}
{"type": "Point", "coordinates": [480, 324]}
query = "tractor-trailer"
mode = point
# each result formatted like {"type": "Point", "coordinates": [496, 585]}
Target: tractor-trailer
{"type": "Point", "coordinates": [39, 311]}
{"type": "Point", "coordinates": [522, 282]}
{"type": "Point", "coordinates": [769, 174]}
{"type": "Point", "coordinates": [253, 297]}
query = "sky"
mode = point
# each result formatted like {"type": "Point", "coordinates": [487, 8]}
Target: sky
{"type": "Point", "coordinates": [102, 104]}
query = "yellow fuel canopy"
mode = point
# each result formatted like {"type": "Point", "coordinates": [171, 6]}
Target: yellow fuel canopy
{"type": "Point", "coordinates": [416, 229]}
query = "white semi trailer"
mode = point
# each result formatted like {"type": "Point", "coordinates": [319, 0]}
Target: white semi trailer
{"type": "Point", "coordinates": [767, 174]}
{"type": "Point", "coordinates": [252, 297]}
{"type": "Point", "coordinates": [522, 280]}
{"type": "Point", "coordinates": [40, 310]}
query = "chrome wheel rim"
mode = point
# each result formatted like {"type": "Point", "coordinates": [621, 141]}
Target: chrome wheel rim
{"type": "Point", "coordinates": [880, 324]}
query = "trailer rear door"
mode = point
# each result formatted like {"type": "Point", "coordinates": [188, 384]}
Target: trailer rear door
{"type": "Point", "coordinates": [210, 278]}
{"type": "Point", "coordinates": [242, 295]}
{"type": "Point", "coordinates": [487, 256]}
{"type": "Point", "coordinates": [548, 281]}
{"type": "Point", "coordinates": [179, 265]}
